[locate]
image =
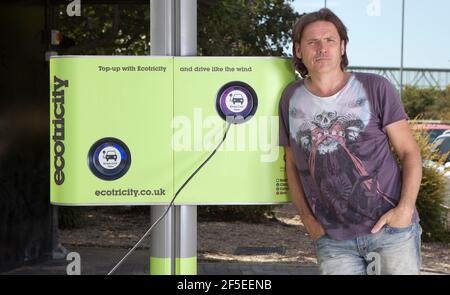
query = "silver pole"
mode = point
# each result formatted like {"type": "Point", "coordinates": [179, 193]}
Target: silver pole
{"type": "Point", "coordinates": [162, 23]}
{"type": "Point", "coordinates": [187, 38]}
{"type": "Point", "coordinates": [162, 36]}
{"type": "Point", "coordinates": [173, 32]}
{"type": "Point", "coordinates": [188, 27]}
{"type": "Point", "coordinates": [325, 4]}
{"type": "Point", "coordinates": [401, 50]}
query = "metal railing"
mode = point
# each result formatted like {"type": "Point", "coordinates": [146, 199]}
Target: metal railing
{"type": "Point", "coordinates": [419, 77]}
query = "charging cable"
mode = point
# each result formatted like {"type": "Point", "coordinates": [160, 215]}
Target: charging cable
{"type": "Point", "coordinates": [171, 203]}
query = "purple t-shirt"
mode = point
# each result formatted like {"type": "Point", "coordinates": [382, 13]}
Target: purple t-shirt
{"type": "Point", "coordinates": [341, 150]}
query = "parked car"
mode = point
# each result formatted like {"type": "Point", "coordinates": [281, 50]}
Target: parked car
{"type": "Point", "coordinates": [442, 145]}
{"type": "Point", "coordinates": [433, 129]}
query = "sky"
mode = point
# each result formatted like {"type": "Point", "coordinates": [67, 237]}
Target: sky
{"type": "Point", "coordinates": [374, 29]}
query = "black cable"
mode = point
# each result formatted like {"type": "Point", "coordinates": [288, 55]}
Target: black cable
{"type": "Point", "coordinates": [170, 204]}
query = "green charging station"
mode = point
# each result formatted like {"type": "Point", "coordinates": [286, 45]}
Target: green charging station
{"type": "Point", "coordinates": [249, 167]}
{"type": "Point", "coordinates": [130, 130]}
{"type": "Point", "coordinates": [110, 130]}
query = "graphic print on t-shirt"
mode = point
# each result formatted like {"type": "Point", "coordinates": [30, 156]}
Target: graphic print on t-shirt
{"type": "Point", "coordinates": [342, 191]}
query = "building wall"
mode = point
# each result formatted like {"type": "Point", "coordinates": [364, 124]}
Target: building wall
{"type": "Point", "coordinates": [25, 212]}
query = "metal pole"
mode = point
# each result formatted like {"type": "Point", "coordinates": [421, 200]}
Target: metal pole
{"type": "Point", "coordinates": [173, 32]}
{"type": "Point", "coordinates": [325, 4]}
{"type": "Point", "coordinates": [401, 50]}
{"type": "Point", "coordinates": [187, 222]}
{"type": "Point", "coordinates": [162, 242]}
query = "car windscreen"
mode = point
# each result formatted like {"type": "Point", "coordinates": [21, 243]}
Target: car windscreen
{"type": "Point", "coordinates": [435, 133]}
{"type": "Point", "coordinates": [443, 145]}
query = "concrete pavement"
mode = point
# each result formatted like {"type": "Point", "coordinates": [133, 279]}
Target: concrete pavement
{"type": "Point", "coordinates": [99, 261]}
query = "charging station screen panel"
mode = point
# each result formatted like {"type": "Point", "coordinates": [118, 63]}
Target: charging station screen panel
{"type": "Point", "coordinates": [131, 130]}
{"type": "Point", "coordinates": [244, 92]}
{"type": "Point", "coordinates": [111, 130]}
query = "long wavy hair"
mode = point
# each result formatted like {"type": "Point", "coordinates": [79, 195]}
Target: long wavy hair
{"type": "Point", "coordinates": [323, 14]}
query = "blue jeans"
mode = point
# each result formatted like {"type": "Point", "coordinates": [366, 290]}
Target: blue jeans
{"type": "Point", "coordinates": [389, 251]}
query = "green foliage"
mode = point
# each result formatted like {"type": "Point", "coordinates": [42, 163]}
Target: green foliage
{"type": "Point", "coordinates": [71, 217]}
{"type": "Point", "coordinates": [428, 103]}
{"type": "Point", "coordinates": [254, 214]}
{"type": "Point", "coordinates": [227, 27]}
{"type": "Point", "coordinates": [245, 27]}
{"type": "Point", "coordinates": [434, 217]}
{"type": "Point", "coordinates": [119, 29]}
{"type": "Point", "coordinates": [433, 189]}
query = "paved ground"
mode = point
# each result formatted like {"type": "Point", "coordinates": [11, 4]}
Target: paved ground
{"type": "Point", "coordinates": [99, 261]}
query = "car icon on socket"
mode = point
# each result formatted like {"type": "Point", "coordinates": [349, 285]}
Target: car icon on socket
{"type": "Point", "coordinates": [237, 98]}
{"type": "Point", "coordinates": [110, 155]}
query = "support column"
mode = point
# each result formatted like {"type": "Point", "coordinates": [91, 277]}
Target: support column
{"type": "Point", "coordinates": [173, 249]}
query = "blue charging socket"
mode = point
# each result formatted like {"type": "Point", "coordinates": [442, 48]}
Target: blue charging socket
{"type": "Point", "coordinates": [236, 102]}
{"type": "Point", "coordinates": [109, 158]}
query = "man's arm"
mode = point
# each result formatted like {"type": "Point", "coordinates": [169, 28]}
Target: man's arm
{"type": "Point", "coordinates": [313, 227]}
{"type": "Point", "coordinates": [408, 151]}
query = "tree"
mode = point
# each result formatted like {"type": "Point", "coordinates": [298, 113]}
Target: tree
{"type": "Point", "coordinates": [429, 103]}
{"type": "Point", "coordinates": [245, 27]}
{"type": "Point", "coordinates": [117, 29]}
{"type": "Point", "coordinates": [226, 27]}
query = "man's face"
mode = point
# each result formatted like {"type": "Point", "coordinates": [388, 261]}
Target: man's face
{"type": "Point", "coordinates": [320, 48]}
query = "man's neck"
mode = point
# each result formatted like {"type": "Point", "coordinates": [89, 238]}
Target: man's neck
{"type": "Point", "coordinates": [326, 84]}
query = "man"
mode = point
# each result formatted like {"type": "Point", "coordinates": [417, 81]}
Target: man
{"type": "Point", "coordinates": [336, 127]}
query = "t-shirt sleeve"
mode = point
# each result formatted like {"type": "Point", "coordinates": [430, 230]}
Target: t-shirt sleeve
{"type": "Point", "coordinates": [284, 120]}
{"type": "Point", "coordinates": [390, 106]}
